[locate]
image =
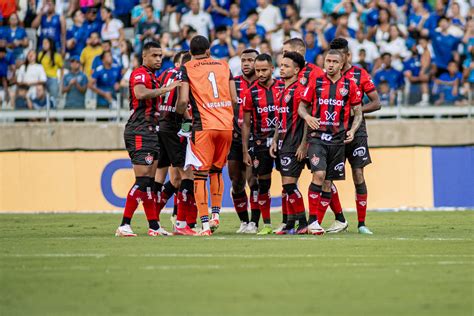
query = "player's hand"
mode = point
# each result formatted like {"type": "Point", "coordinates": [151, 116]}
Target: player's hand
{"type": "Point", "coordinates": [173, 85]}
{"type": "Point", "coordinates": [247, 159]}
{"type": "Point", "coordinates": [186, 126]}
{"type": "Point", "coordinates": [312, 122]}
{"type": "Point", "coordinates": [302, 151]}
{"type": "Point", "coordinates": [273, 150]}
{"type": "Point", "coordinates": [349, 137]}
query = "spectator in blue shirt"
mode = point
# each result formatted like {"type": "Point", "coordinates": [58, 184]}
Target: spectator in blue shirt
{"type": "Point", "coordinates": [76, 36]}
{"type": "Point", "coordinates": [93, 21]}
{"type": "Point", "coordinates": [386, 95]}
{"type": "Point", "coordinates": [416, 70]}
{"type": "Point", "coordinates": [222, 47]}
{"type": "Point", "coordinates": [106, 82]}
{"type": "Point", "coordinates": [18, 37]}
{"type": "Point", "coordinates": [106, 47]}
{"type": "Point", "coordinates": [38, 99]}
{"type": "Point", "coordinates": [468, 66]}
{"type": "Point", "coordinates": [123, 9]}
{"type": "Point", "coordinates": [448, 85]}
{"type": "Point", "coordinates": [429, 22]}
{"type": "Point", "coordinates": [51, 25]}
{"type": "Point", "coordinates": [219, 10]}
{"type": "Point", "coordinates": [389, 74]}
{"type": "Point", "coordinates": [246, 7]}
{"type": "Point", "coordinates": [340, 29]}
{"type": "Point", "coordinates": [139, 14]}
{"type": "Point", "coordinates": [75, 85]}
{"type": "Point", "coordinates": [5, 67]}
{"type": "Point", "coordinates": [250, 26]}
{"type": "Point", "coordinates": [313, 48]}
{"type": "Point", "coordinates": [444, 45]}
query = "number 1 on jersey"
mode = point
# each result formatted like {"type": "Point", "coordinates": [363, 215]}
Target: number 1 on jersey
{"type": "Point", "coordinates": [212, 79]}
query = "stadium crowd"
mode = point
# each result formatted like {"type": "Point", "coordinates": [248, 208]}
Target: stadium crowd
{"type": "Point", "coordinates": [83, 51]}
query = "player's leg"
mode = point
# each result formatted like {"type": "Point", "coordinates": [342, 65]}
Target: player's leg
{"type": "Point", "coordinates": [252, 181]}
{"type": "Point", "coordinates": [216, 184]}
{"type": "Point", "coordinates": [340, 223]}
{"type": "Point", "coordinates": [160, 177]}
{"type": "Point", "coordinates": [185, 202]}
{"type": "Point", "coordinates": [361, 199]}
{"type": "Point", "coordinates": [237, 174]}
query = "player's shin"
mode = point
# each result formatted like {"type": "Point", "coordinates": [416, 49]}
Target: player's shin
{"type": "Point", "coordinates": [323, 205]}
{"type": "Point", "coordinates": [217, 188]}
{"type": "Point", "coordinates": [254, 207]}
{"type": "Point", "coordinates": [284, 207]}
{"type": "Point", "coordinates": [241, 205]}
{"type": "Point", "coordinates": [361, 203]}
{"type": "Point", "coordinates": [314, 196]}
{"type": "Point", "coordinates": [201, 196]}
{"type": "Point", "coordinates": [149, 205]}
{"type": "Point", "coordinates": [335, 204]}
{"type": "Point", "coordinates": [185, 201]}
{"type": "Point", "coordinates": [264, 199]}
{"type": "Point", "coordinates": [295, 206]}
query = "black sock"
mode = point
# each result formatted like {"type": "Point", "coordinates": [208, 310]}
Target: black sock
{"type": "Point", "coordinates": [361, 224]}
{"type": "Point", "coordinates": [302, 222]}
{"type": "Point", "coordinates": [340, 217]}
{"type": "Point", "coordinates": [153, 224]}
{"type": "Point", "coordinates": [255, 217]}
{"type": "Point", "coordinates": [126, 221]}
{"type": "Point", "coordinates": [244, 216]}
{"type": "Point", "coordinates": [284, 219]}
{"type": "Point", "coordinates": [157, 186]}
{"type": "Point", "coordinates": [175, 210]}
{"type": "Point", "coordinates": [192, 225]}
{"type": "Point", "coordinates": [311, 219]}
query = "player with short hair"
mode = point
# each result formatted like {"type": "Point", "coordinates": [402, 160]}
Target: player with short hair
{"type": "Point", "coordinates": [209, 87]}
{"type": "Point", "coordinates": [290, 142]}
{"type": "Point", "coordinates": [172, 147]}
{"type": "Point", "coordinates": [330, 99]}
{"type": "Point", "coordinates": [357, 151]}
{"type": "Point", "coordinates": [239, 173]}
{"type": "Point", "coordinates": [261, 111]}
{"type": "Point", "coordinates": [141, 139]}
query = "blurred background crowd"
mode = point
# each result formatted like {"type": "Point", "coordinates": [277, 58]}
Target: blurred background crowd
{"type": "Point", "coordinates": [79, 53]}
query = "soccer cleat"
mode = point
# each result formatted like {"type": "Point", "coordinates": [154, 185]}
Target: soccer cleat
{"type": "Point", "coordinates": [164, 232]}
{"type": "Point", "coordinates": [243, 228]}
{"type": "Point", "coordinates": [214, 223]}
{"type": "Point", "coordinates": [206, 232]}
{"type": "Point", "coordinates": [290, 231]}
{"type": "Point", "coordinates": [365, 230]}
{"type": "Point", "coordinates": [251, 228]}
{"type": "Point", "coordinates": [125, 231]}
{"type": "Point", "coordinates": [315, 229]}
{"type": "Point", "coordinates": [186, 231]}
{"type": "Point", "coordinates": [267, 230]}
{"type": "Point", "coordinates": [280, 228]}
{"type": "Point", "coordinates": [154, 233]}
{"type": "Point", "coordinates": [302, 230]}
{"type": "Point", "coordinates": [337, 227]}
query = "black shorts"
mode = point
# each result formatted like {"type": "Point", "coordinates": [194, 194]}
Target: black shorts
{"type": "Point", "coordinates": [357, 152]}
{"type": "Point", "coordinates": [329, 158]}
{"type": "Point", "coordinates": [290, 166]}
{"type": "Point", "coordinates": [262, 162]}
{"type": "Point", "coordinates": [142, 149]}
{"type": "Point", "coordinates": [235, 152]}
{"type": "Point", "coordinates": [172, 150]}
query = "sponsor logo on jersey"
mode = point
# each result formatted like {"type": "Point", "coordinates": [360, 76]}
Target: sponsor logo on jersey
{"type": "Point", "coordinates": [271, 122]}
{"type": "Point", "coordinates": [330, 116]}
{"type": "Point", "coordinates": [240, 100]}
{"type": "Point", "coordinates": [331, 102]}
{"type": "Point", "coordinates": [269, 108]}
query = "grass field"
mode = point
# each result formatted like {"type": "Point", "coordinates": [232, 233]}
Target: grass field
{"type": "Point", "coordinates": [417, 263]}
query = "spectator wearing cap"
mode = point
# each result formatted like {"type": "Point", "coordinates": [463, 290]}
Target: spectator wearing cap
{"type": "Point", "coordinates": [105, 82]}
{"type": "Point", "coordinates": [388, 73]}
{"type": "Point", "coordinates": [31, 73]}
{"type": "Point", "coordinates": [361, 42]}
{"type": "Point", "coordinates": [269, 16]}
{"type": "Point", "coordinates": [18, 37]}
{"type": "Point", "coordinates": [444, 46]}
{"type": "Point", "coordinates": [222, 47]}
{"type": "Point", "coordinates": [200, 20]}
{"type": "Point", "coordinates": [77, 34]}
{"type": "Point", "coordinates": [51, 26]}
{"type": "Point", "coordinates": [149, 30]}
{"type": "Point", "coordinates": [219, 10]}
{"type": "Point", "coordinates": [448, 84]}
{"type": "Point", "coordinates": [340, 29]}
{"type": "Point", "coordinates": [74, 85]}
{"type": "Point", "coordinates": [90, 52]}
{"type": "Point", "coordinates": [52, 63]}
{"type": "Point", "coordinates": [93, 21]}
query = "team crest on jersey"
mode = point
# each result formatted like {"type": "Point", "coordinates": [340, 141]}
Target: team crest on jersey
{"type": "Point", "coordinates": [287, 98]}
{"type": "Point", "coordinates": [256, 163]}
{"type": "Point", "coordinates": [343, 91]}
{"type": "Point", "coordinates": [149, 159]}
{"type": "Point", "coordinates": [314, 160]}
{"type": "Point", "coordinates": [303, 81]}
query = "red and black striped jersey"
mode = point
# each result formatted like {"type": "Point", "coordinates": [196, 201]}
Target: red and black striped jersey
{"type": "Point", "coordinates": [143, 113]}
{"type": "Point", "coordinates": [169, 120]}
{"type": "Point", "coordinates": [263, 103]}
{"type": "Point", "coordinates": [331, 102]}
{"type": "Point", "coordinates": [291, 125]}
{"type": "Point", "coordinates": [309, 73]}
{"type": "Point", "coordinates": [363, 80]}
{"type": "Point", "coordinates": [241, 86]}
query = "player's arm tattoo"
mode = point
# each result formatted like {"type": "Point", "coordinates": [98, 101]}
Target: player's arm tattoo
{"type": "Point", "coordinates": [357, 117]}
{"type": "Point", "coordinates": [374, 104]}
{"type": "Point", "coordinates": [183, 99]}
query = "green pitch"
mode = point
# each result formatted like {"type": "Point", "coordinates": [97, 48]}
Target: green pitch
{"type": "Point", "coordinates": [416, 264]}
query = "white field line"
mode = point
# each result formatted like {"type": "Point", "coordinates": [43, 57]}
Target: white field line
{"type": "Point", "coordinates": [231, 210]}
{"type": "Point", "coordinates": [242, 256]}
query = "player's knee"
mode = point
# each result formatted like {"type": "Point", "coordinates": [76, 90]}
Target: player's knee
{"type": "Point", "coordinates": [290, 188]}
{"type": "Point", "coordinates": [143, 182]}
{"type": "Point", "coordinates": [327, 185]}
{"type": "Point", "coordinates": [264, 185]}
{"type": "Point", "coordinates": [215, 171]}
{"type": "Point", "coordinates": [361, 188]}
{"type": "Point", "coordinates": [318, 177]}
{"type": "Point", "coordinates": [358, 175]}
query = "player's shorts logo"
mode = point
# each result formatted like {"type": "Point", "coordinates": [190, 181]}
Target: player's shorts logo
{"type": "Point", "coordinates": [149, 159]}
{"type": "Point", "coordinates": [326, 137]}
{"type": "Point", "coordinates": [360, 151]}
{"type": "Point", "coordinates": [314, 160]}
{"type": "Point", "coordinates": [285, 161]}
{"type": "Point", "coordinates": [339, 166]}
{"type": "Point", "coordinates": [343, 92]}
{"type": "Point", "coordinates": [256, 163]}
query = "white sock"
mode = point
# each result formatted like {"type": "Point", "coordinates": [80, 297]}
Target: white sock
{"type": "Point", "coordinates": [205, 226]}
{"type": "Point", "coordinates": [180, 224]}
